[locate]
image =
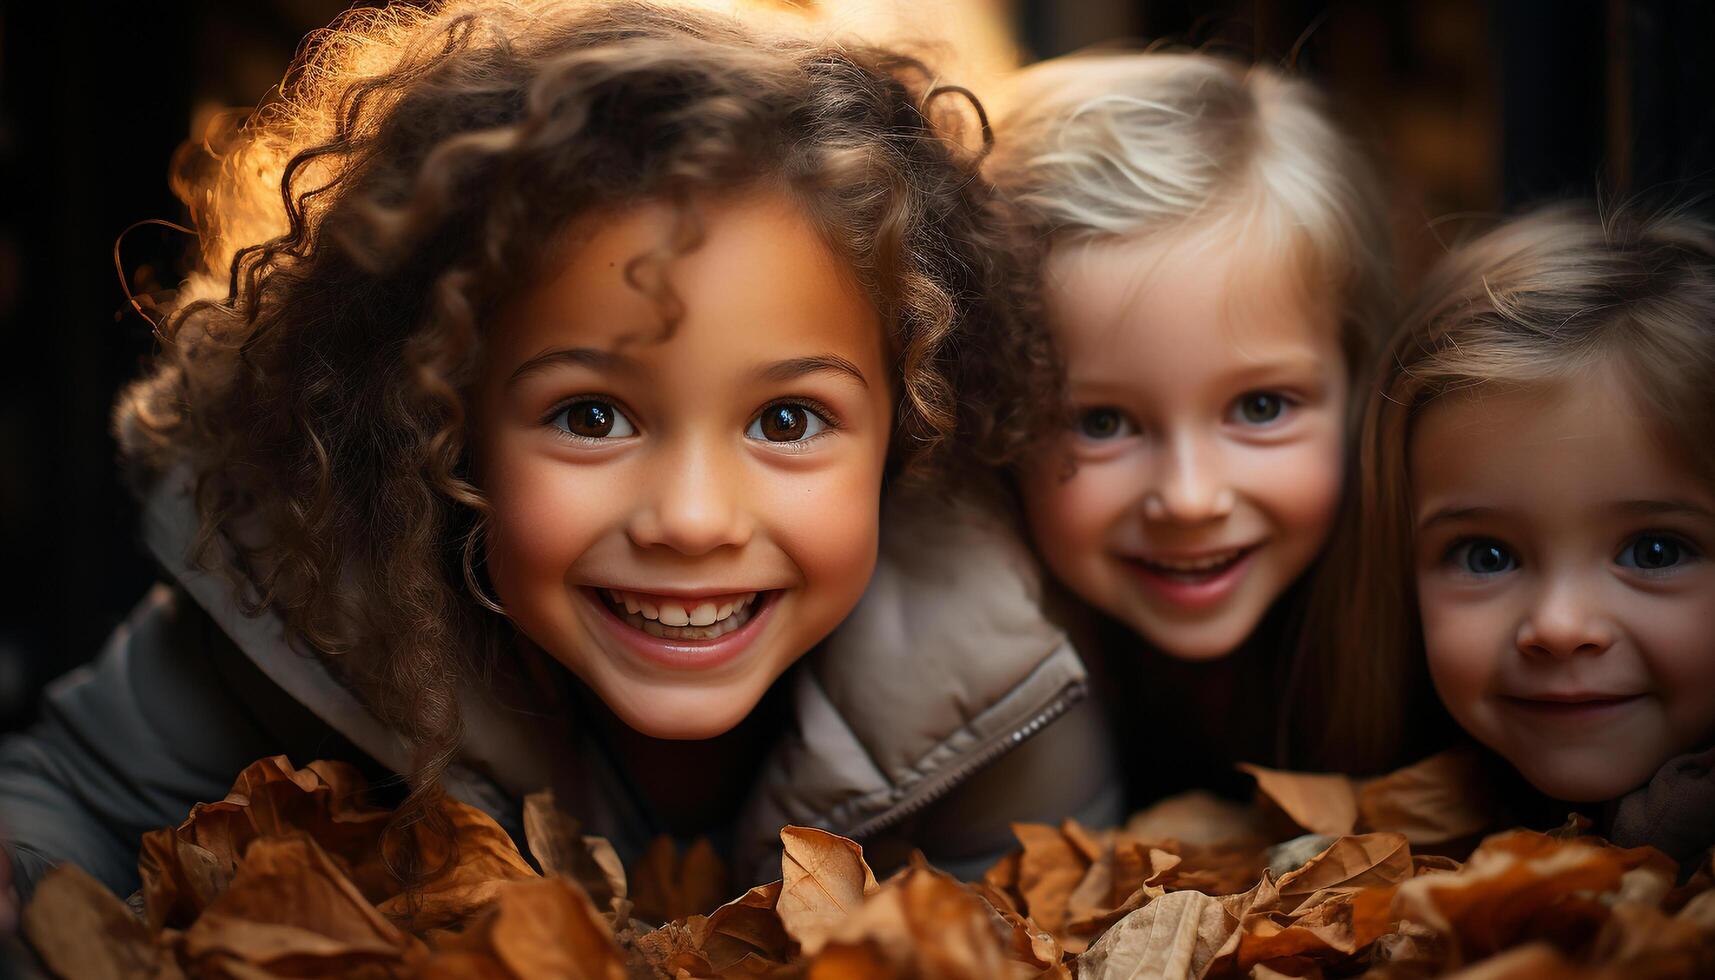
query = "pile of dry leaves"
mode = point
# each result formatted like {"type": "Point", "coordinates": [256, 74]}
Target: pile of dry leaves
{"type": "Point", "coordinates": [288, 877]}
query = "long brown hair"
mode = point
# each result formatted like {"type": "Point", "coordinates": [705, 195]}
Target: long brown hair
{"type": "Point", "coordinates": [1537, 300]}
{"type": "Point", "coordinates": [359, 233]}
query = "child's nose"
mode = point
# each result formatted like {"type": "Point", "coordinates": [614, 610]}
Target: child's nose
{"type": "Point", "coordinates": [1189, 486]}
{"type": "Point", "coordinates": [1565, 620]}
{"type": "Point", "coordinates": [693, 502]}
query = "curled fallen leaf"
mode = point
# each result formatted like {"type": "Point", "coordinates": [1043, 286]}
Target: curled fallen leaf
{"type": "Point", "coordinates": [545, 927]}
{"type": "Point", "coordinates": [291, 909]}
{"type": "Point", "coordinates": [1321, 803]}
{"type": "Point", "coordinates": [560, 847]}
{"type": "Point", "coordinates": [823, 880]}
{"type": "Point", "coordinates": [184, 868]}
{"type": "Point", "coordinates": [1443, 798]}
{"type": "Point", "coordinates": [1178, 935]}
{"type": "Point", "coordinates": [80, 929]}
{"type": "Point", "coordinates": [666, 885]}
{"type": "Point", "coordinates": [921, 923]}
{"type": "Point", "coordinates": [473, 864]}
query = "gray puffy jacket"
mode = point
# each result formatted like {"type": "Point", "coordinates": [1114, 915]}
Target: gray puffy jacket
{"type": "Point", "coordinates": [944, 708]}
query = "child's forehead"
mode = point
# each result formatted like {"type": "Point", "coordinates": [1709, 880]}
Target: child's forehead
{"type": "Point", "coordinates": [1576, 442]}
{"type": "Point", "coordinates": [1217, 287]}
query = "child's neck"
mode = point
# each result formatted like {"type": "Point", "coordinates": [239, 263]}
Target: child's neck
{"type": "Point", "coordinates": [691, 788]}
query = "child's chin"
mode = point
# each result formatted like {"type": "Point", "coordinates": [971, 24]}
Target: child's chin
{"type": "Point", "coordinates": [1581, 780]}
{"type": "Point", "coordinates": [1216, 637]}
{"type": "Point", "coordinates": [683, 715]}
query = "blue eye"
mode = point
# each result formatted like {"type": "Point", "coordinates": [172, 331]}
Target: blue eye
{"type": "Point", "coordinates": [1482, 556]}
{"type": "Point", "coordinates": [1650, 552]}
{"type": "Point", "coordinates": [1259, 407]}
{"type": "Point", "coordinates": [593, 418]}
{"type": "Point", "coordinates": [1104, 423]}
{"type": "Point", "coordinates": [786, 422]}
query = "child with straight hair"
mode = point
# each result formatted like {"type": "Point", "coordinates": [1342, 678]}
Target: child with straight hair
{"type": "Point", "coordinates": [1215, 262]}
{"type": "Point", "coordinates": [1535, 531]}
{"type": "Point", "coordinates": [529, 417]}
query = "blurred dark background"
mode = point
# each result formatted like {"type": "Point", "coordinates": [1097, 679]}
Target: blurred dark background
{"type": "Point", "coordinates": [1473, 109]}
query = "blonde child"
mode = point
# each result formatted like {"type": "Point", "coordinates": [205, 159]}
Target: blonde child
{"type": "Point", "coordinates": [1215, 266]}
{"type": "Point", "coordinates": [529, 419]}
{"type": "Point", "coordinates": [1537, 519]}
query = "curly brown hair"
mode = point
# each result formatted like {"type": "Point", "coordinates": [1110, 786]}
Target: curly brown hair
{"type": "Point", "coordinates": [360, 232]}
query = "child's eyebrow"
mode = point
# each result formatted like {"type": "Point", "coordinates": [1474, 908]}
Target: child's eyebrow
{"type": "Point", "coordinates": [1270, 367]}
{"type": "Point", "coordinates": [590, 357]}
{"type": "Point", "coordinates": [797, 367]}
{"type": "Point", "coordinates": [1659, 507]}
{"type": "Point", "coordinates": [1446, 515]}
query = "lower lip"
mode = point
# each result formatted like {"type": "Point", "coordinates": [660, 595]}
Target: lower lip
{"type": "Point", "coordinates": [1570, 711]}
{"type": "Point", "coordinates": [1194, 595]}
{"type": "Point", "coordinates": [689, 655]}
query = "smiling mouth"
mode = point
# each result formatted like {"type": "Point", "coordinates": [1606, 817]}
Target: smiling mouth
{"type": "Point", "coordinates": [1571, 703]}
{"type": "Point", "coordinates": [670, 618]}
{"type": "Point", "coordinates": [1198, 570]}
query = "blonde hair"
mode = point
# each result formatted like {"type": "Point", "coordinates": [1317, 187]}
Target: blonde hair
{"type": "Point", "coordinates": [1540, 300]}
{"type": "Point", "coordinates": [1107, 146]}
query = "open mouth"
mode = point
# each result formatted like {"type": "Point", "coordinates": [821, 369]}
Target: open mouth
{"type": "Point", "coordinates": [670, 618]}
{"type": "Point", "coordinates": [1198, 570]}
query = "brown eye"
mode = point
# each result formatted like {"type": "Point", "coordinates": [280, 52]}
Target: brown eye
{"type": "Point", "coordinates": [591, 418]}
{"type": "Point", "coordinates": [1260, 407]}
{"type": "Point", "coordinates": [1103, 423]}
{"type": "Point", "coordinates": [786, 422]}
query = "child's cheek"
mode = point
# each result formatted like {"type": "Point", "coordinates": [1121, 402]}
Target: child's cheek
{"type": "Point", "coordinates": [1677, 636]}
{"type": "Point", "coordinates": [1074, 516]}
{"type": "Point", "coordinates": [828, 526]}
{"type": "Point", "coordinates": [545, 516]}
{"type": "Point", "coordinates": [1464, 641]}
{"type": "Point", "coordinates": [1299, 488]}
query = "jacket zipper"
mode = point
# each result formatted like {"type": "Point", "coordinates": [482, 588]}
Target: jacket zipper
{"type": "Point", "coordinates": [986, 756]}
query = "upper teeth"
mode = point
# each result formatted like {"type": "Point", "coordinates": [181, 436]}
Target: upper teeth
{"type": "Point", "coordinates": [1197, 564]}
{"type": "Point", "coordinates": [674, 612]}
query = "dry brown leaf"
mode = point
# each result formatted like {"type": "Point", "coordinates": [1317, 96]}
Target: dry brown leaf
{"type": "Point", "coordinates": [558, 844]}
{"type": "Point", "coordinates": [461, 965]}
{"type": "Point", "coordinates": [83, 932]}
{"type": "Point", "coordinates": [1028, 943]}
{"type": "Point", "coordinates": [1177, 935]}
{"type": "Point", "coordinates": [1410, 950]}
{"type": "Point", "coordinates": [480, 858]}
{"type": "Point", "coordinates": [543, 927]}
{"type": "Point", "coordinates": [743, 938]}
{"type": "Point", "coordinates": [1445, 797]}
{"type": "Point", "coordinates": [291, 910]}
{"type": "Point", "coordinates": [1518, 887]}
{"type": "Point", "coordinates": [921, 923]}
{"type": "Point", "coordinates": [1308, 916]}
{"type": "Point", "coordinates": [1049, 870]}
{"type": "Point", "coordinates": [1217, 870]}
{"type": "Point", "coordinates": [1128, 875]}
{"type": "Point", "coordinates": [747, 926]}
{"type": "Point", "coordinates": [1322, 803]}
{"type": "Point", "coordinates": [184, 868]}
{"type": "Point", "coordinates": [666, 885]}
{"type": "Point", "coordinates": [1643, 941]}
{"type": "Point", "coordinates": [823, 880]}
{"type": "Point", "coordinates": [1198, 817]}
{"type": "Point", "coordinates": [1349, 864]}
{"type": "Point", "coordinates": [1325, 933]}
{"type": "Point", "coordinates": [1538, 961]}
